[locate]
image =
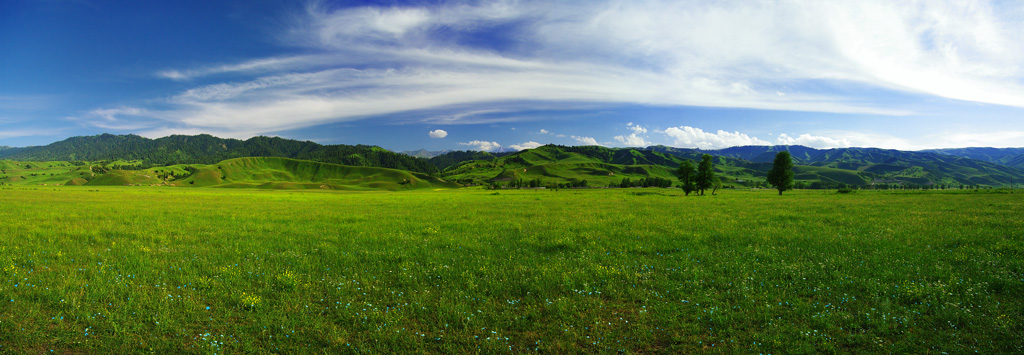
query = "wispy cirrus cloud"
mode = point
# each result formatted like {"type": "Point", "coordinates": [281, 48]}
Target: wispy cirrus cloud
{"type": "Point", "coordinates": [24, 102]}
{"type": "Point", "coordinates": [17, 133]}
{"type": "Point", "coordinates": [373, 62]}
{"type": "Point", "coordinates": [261, 65]}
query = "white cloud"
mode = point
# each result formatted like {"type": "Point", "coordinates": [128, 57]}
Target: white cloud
{"type": "Point", "coordinates": [526, 145]}
{"type": "Point", "coordinates": [257, 65]}
{"type": "Point", "coordinates": [632, 140]}
{"type": "Point", "coordinates": [1001, 139]}
{"type": "Point", "coordinates": [867, 139]}
{"type": "Point", "coordinates": [585, 140]}
{"type": "Point", "coordinates": [483, 145]}
{"type": "Point", "coordinates": [120, 118]}
{"type": "Point", "coordinates": [438, 133]}
{"type": "Point", "coordinates": [813, 141]}
{"type": "Point", "coordinates": [18, 133]}
{"type": "Point", "coordinates": [544, 131]}
{"type": "Point", "coordinates": [112, 114]}
{"type": "Point", "coordinates": [377, 61]}
{"type": "Point", "coordinates": [637, 129]}
{"type": "Point", "coordinates": [689, 137]}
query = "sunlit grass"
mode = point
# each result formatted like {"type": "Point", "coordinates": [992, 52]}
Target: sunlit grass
{"type": "Point", "coordinates": [633, 270]}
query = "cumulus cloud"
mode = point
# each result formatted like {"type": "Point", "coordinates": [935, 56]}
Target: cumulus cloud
{"type": "Point", "coordinates": [688, 137]}
{"type": "Point", "coordinates": [544, 131]}
{"type": "Point", "coordinates": [438, 133]}
{"type": "Point", "coordinates": [585, 140]}
{"type": "Point", "coordinates": [636, 128]}
{"type": "Point", "coordinates": [813, 141]}
{"type": "Point", "coordinates": [483, 145]}
{"type": "Point", "coordinates": [526, 145]}
{"type": "Point", "coordinates": [632, 140]}
{"type": "Point", "coordinates": [685, 136]}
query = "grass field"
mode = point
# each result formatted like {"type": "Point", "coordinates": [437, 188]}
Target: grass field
{"type": "Point", "coordinates": [172, 270]}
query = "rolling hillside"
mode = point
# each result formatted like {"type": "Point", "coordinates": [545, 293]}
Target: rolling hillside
{"type": "Point", "coordinates": [252, 172]}
{"type": "Point", "coordinates": [738, 166]}
{"type": "Point", "coordinates": [283, 173]}
{"type": "Point", "coordinates": [121, 159]}
{"type": "Point", "coordinates": [599, 166]}
{"type": "Point", "coordinates": [207, 149]}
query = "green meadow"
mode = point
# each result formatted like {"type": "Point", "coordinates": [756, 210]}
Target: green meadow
{"type": "Point", "coordinates": [87, 269]}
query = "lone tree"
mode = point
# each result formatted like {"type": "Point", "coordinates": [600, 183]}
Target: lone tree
{"type": "Point", "coordinates": [687, 176]}
{"type": "Point", "coordinates": [705, 174]}
{"type": "Point", "coordinates": [781, 175]}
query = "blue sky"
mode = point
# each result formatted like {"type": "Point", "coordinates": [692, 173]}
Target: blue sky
{"type": "Point", "coordinates": [517, 74]}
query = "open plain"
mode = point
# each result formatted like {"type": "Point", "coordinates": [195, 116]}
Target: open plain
{"type": "Point", "coordinates": [213, 270]}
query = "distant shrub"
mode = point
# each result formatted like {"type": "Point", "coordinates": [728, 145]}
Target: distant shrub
{"type": "Point", "coordinates": [845, 190]}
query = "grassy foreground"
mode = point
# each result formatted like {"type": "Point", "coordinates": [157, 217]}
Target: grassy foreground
{"type": "Point", "coordinates": [131, 270]}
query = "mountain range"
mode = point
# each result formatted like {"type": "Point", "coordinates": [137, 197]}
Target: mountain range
{"type": "Point", "coordinates": [553, 164]}
{"type": "Point", "coordinates": [207, 149]}
{"type": "Point", "coordinates": [738, 166]}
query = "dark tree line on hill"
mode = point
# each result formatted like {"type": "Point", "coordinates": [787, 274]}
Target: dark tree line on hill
{"type": "Point", "coordinates": [747, 166]}
{"type": "Point", "coordinates": [449, 159]}
{"type": "Point", "coordinates": [539, 183]}
{"type": "Point", "coordinates": [207, 149]}
{"type": "Point", "coordinates": [652, 181]}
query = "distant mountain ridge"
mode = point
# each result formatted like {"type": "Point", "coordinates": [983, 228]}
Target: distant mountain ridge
{"type": "Point", "coordinates": [742, 166]}
{"type": "Point", "coordinates": [423, 153]}
{"type": "Point", "coordinates": [1004, 156]}
{"type": "Point", "coordinates": [207, 149]}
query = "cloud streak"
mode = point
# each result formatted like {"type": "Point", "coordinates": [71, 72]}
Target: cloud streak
{"type": "Point", "coordinates": [373, 62]}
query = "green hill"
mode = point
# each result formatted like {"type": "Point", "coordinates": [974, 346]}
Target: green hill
{"type": "Point", "coordinates": [449, 159]}
{"type": "Point", "coordinates": [134, 160]}
{"type": "Point", "coordinates": [553, 164]}
{"type": "Point", "coordinates": [888, 166]}
{"type": "Point", "coordinates": [253, 172]}
{"type": "Point", "coordinates": [284, 173]}
{"type": "Point", "coordinates": [207, 149]}
{"type": "Point", "coordinates": [603, 166]}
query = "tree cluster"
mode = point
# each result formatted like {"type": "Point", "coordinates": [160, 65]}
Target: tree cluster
{"type": "Point", "coordinates": [701, 179]}
{"type": "Point", "coordinates": [651, 181]}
